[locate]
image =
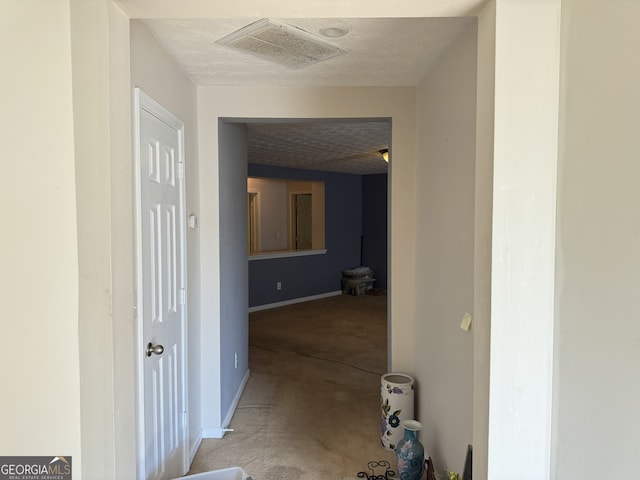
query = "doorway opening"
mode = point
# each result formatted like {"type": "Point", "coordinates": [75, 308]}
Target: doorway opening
{"type": "Point", "coordinates": [304, 278]}
{"type": "Point", "coordinates": [356, 217]}
{"type": "Point", "coordinates": [301, 221]}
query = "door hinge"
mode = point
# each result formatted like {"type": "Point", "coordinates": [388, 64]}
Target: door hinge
{"type": "Point", "coordinates": [180, 170]}
{"type": "Point", "coordinates": [183, 296]}
{"type": "Point", "coordinates": [185, 420]}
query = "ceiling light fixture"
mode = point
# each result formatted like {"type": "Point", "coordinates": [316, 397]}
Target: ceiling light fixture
{"type": "Point", "coordinates": [334, 31]}
{"type": "Point", "coordinates": [385, 154]}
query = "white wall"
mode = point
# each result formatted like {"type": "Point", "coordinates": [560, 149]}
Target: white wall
{"type": "Point", "coordinates": [445, 199]}
{"type": "Point", "coordinates": [485, 99]}
{"type": "Point", "coordinates": [597, 386]}
{"type": "Point", "coordinates": [157, 75]}
{"type": "Point", "coordinates": [525, 156]}
{"type": "Point", "coordinates": [40, 401]}
{"type": "Point", "coordinates": [100, 57]}
{"type": "Point", "coordinates": [293, 8]}
{"type": "Point", "coordinates": [121, 199]}
{"type": "Point", "coordinates": [397, 103]}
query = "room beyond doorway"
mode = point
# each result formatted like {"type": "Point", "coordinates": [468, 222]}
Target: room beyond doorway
{"type": "Point", "coordinates": [344, 155]}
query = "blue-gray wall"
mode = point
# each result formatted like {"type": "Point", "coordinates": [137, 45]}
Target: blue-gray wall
{"type": "Point", "coordinates": [374, 226]}
{"type": "Point", "coordinates": [317, 274]}
{"type": "Point", "coordinates": [234, 323]}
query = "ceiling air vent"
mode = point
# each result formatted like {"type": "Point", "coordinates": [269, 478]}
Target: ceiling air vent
{"type": "Point", "coordinates": [281, 43]}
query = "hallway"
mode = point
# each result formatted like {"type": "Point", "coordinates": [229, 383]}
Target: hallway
{"type": "Point", "coordinates": [310, 410]}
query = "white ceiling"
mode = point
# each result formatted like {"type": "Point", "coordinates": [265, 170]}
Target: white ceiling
{"type": "Point", "coordinates": [380, 52]}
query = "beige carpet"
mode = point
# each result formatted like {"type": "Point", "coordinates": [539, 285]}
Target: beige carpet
{"type": "Point", "coordinates": [311, 407]}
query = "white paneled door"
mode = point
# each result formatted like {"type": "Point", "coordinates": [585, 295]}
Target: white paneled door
{"type": "Point", "coordinates": [161, 306]}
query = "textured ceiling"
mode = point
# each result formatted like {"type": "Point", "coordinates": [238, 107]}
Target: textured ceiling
{"type": "Point", "coordinates": [380, 52]}
{"type": "Point", "coordinates": [336, 146]}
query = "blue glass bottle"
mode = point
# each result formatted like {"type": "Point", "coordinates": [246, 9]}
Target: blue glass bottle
{"type": "Point", "coordinates": [410, 452]}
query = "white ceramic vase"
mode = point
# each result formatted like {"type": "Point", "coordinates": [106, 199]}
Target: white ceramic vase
{"type": "Point", "coordinates": [396, 401]}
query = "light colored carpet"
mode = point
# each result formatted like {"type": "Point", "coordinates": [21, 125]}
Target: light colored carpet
{"type": "Point", "coordinates": [311, 407]}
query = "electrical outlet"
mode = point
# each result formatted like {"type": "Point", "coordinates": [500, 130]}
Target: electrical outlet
{"type": "Point", "coordinates": [278, 285]}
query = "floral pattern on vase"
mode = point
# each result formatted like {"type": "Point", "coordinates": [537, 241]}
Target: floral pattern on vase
{"type": "Point", "coordinates": [396, 405]}
{"type": "Point", "coordinates": [410, 452]}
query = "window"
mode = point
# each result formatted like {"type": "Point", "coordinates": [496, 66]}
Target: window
{"type": "Point", "coordinates": [285, 216]}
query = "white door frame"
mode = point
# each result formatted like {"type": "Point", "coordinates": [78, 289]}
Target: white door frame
{"type": "Point", "coordinates": [142, 101]}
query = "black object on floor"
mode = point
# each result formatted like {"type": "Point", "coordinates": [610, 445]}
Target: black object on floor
{"type": "Point", "coordinates": [373, 466]}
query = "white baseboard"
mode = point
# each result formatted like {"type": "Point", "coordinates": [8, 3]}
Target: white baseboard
{"type": "Point", "coordinates": [194, 448]}
{"type": "Point", "coordinates": [212, 432]}
{"type": "Point", "coordinates": [218, 432]}
{"type": "Point", "coordinates": [294, 300]}
{"type": "Point", "coordinates": [236, 399]}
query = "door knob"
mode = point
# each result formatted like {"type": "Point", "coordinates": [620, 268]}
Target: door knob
{"type": "Point", "coordinates": [151, 349]}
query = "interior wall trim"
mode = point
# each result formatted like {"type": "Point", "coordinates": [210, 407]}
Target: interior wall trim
{"type": "Point", "coordinates": [267, 306]}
